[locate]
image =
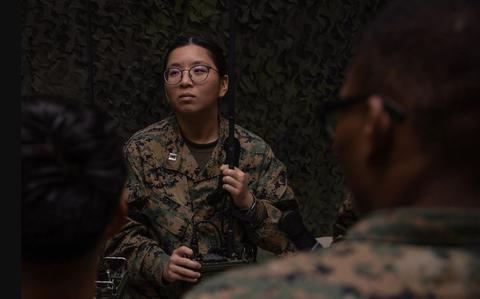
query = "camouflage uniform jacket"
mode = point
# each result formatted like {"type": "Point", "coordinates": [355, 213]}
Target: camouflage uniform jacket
{"type": "Point", "coordinates": [167, 189]}
{"type": "Point", "coordinates": [404, 253]}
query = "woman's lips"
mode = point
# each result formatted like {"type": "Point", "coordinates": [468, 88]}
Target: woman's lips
{"type": "Point", "coordinates": [186, 97]}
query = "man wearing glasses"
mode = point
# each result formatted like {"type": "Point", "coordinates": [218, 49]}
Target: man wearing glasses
{"type": "Point", "coordinates": [406, 134]}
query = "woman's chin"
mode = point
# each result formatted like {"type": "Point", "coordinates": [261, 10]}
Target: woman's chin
{"type": "Point", "coordinates": [194, 109]}
{"type": "Point", "coordinates": [187, 109]}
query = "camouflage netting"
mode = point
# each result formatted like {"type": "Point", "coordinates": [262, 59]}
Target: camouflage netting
{"type": "Point", "coordinates": [291, 55]}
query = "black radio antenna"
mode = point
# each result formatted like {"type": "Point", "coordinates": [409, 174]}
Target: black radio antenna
{"type": "Point", "coordinates": [233, 145]}
{"type": "Point", "coordinates": [91, 86]}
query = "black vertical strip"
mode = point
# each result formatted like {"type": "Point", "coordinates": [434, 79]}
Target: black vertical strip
{"type": "Point", "coordinates": [91, 85]}
{"type": "Point", "coordinates": [231, 56]}
{"type": "Point", "coordinates": [231, 155]}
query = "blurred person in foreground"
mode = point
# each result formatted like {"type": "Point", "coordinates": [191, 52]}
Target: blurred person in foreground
{"type": "Point", "coordinates": [73, 177]}
{"type": "Point", "coordinates": [406, 135]}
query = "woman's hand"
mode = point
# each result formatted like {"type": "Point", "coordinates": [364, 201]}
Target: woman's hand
{"type": "Point", "coordinates": [235, 182]}
{"type": "Point", "coordinates": [180, 267]}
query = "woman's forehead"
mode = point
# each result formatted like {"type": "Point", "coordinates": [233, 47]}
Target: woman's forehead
{"type": "Point", "coordinates": [189, 55]}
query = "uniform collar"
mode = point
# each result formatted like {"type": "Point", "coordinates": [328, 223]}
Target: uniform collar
{"type": "Point", "coordinates": [180, 159]}
{"type": "Point", "coordinates": [421, 226]}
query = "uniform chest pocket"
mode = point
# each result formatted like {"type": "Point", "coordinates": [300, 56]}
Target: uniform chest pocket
{"type": "Point", "coordinates": [170, 202]}
{"type": "Point", "coordinates": [170, 184]}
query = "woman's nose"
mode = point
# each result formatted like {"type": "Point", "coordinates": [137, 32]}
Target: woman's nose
{"type": "Point", "coordinates": [186, 80]}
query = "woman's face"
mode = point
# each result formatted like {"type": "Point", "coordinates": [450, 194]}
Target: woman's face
{"type": "Point", "coordinates": [188, 97]}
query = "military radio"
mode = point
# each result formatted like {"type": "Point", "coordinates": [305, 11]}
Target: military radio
{"type": "Point", "coordinates": [222, 258]}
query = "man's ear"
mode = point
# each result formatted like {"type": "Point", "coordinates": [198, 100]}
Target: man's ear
{"type": "Point", "coordinates": [377, 130]}
{"type": "Point", "coordinates": [223, 86]}
{"type": "Point", "coordinates": [119, 217]}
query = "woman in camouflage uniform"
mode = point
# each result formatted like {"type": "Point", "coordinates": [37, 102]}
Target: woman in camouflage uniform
{"type": "Point", "coordinates": [176, 166]}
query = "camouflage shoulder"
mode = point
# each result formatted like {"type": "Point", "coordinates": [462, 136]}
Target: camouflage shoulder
{"type": "Point", "coordinates": [155, 131]}
{"type": "Point", "coordinates": [255, 143]}
{"type": "Point", "coordinates": [272, 279]}
{"type": "Point", "coordinates": [357, 269]}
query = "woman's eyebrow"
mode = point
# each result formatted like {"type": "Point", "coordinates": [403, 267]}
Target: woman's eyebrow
{"type": "Point", "coordinates": [199, 62]}
{"type": "Point", "coordinates": [196, 62]}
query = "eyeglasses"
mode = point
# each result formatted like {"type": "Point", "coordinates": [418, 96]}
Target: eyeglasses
{"type": "Point", "coordinates": [330, 111]}
{"type": "Point", "coordinates": [197, 74]}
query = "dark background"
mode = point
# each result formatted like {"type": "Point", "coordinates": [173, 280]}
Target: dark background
{"type": "Point", "coordinates": [291, 56]}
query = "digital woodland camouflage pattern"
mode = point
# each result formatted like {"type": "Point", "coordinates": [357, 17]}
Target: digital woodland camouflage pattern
{"type": "Point", "coordinates": [405, 253]}
{"type": "Point", "coordinates": [167, 190]}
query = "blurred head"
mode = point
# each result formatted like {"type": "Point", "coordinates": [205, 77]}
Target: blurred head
{"type": "Point", "coordinates": [421, 57]}
{"type": "Point", "coordinates": [195, 76]}
{"type": "Point", "coordinates": [73, 176]}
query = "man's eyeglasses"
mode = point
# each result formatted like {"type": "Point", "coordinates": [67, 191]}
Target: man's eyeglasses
{"type": "Point", "coordinates": [197, 74]}
{"type": "Point", "coordinates": [330, 111]}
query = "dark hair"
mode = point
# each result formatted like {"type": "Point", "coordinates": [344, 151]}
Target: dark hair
{"type": "Point", "coordinates": [214, 50]}
{"type": "Point", "coordinates": [425, 55]}
{"type": "Point", "coordinates": [73, 175]}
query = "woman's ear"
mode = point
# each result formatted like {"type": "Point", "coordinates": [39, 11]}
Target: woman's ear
{"type": "Point", "coordinates": [223, 86]}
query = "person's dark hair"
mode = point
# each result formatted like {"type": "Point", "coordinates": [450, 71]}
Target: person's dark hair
{"type": "Point", "coordinates": [425, 55]}
{"type": "Point", "coordinates": [214, 50]}
{"type": "Point", "coordinates": [72, 174]}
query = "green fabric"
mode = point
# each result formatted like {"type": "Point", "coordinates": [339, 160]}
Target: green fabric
{"type": "Point", "coordinates": [201, 152]}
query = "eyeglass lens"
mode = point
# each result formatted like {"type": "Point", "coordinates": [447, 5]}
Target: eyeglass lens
{"type": "Point", "coordinates": [196, 73]}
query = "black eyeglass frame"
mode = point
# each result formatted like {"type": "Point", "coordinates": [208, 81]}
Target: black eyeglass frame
{"type": "Point", "coordinates": [395, 111]}
{"type": "Point", "coordinates": [189, 74]}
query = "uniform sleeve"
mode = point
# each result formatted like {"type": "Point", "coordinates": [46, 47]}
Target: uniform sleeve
{"type": "Point", "coordinates": [146, 259]}
{"type": "Point", "coordinates": [272, 189]}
